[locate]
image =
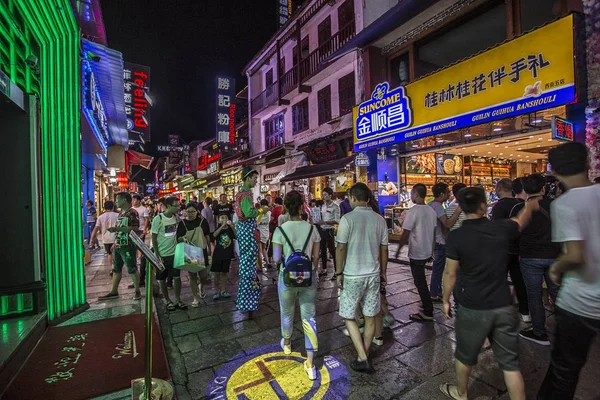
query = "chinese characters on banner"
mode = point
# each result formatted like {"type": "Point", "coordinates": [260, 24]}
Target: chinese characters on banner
{"type": "Point", "coordinates": [136, 84]}
{"type": "Point", "coordinates": [187, 165]}
{"type": "Point", "coordinates": [225, 120]}
{"type": "Point", "coordinates": [72, 352]}
{"type": "Point", "coordinates": [174, 153]}
{"type": "Point", "coordinates": [480, 83]}
{"type": "Point", "coordinates": [530, 73]}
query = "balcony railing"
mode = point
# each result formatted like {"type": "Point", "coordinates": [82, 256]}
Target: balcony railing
{"type": "Point", "coordinates": [310, 65]}
{"type": "Point", "coordinates": [269, 96]}
{"type": "Point", "coordinates": [312, 11]}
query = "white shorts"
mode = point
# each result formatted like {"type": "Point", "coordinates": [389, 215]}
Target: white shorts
{"type": "Point", "coordinates": [357, 290]}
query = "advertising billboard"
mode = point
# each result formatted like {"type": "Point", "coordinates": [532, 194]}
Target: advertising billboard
{"type": "Point", "coordinates": [136, 82]}
{"type": "Point", "coordinates": [530, 73]}
{"type": "Point", "coordinates": [225, 101]}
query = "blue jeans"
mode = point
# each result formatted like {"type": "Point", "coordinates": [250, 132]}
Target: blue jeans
{"type": "Point", "coordinates": [439, 263]}
{"type": "Point", "coordinates": [287, 301]}
{"type": "Point", "coordinates": [535, 271]}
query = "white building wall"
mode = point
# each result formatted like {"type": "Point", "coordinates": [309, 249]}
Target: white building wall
{"type": "Point", "coordinates": [342, 67]}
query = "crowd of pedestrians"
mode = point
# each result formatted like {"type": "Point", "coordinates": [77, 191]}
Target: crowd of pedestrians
{"type": "Point", "coordinates": [542, 232]}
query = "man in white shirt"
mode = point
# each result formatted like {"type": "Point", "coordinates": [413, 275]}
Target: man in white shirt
{"type": "Point", "coordinates": [107, 220]}
{"type": "Point", "coordinates": [330, 217]}
{"type": "Point", "coordinates": [576, 225]}
{"type": "Point", "coordinates": [142, 212]}
{"type": "Point", "coordinates": [418, 231]}
{"type": "Point", "coordinates": [362, 256]}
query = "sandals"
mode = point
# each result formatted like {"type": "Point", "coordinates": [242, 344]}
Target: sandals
{"type": "Point", "coordinates": [420, 317]}
{"type": "Point", "coordinates": [181, 305]}
{"type": "Point", "coordinates": [225, 295]}
{"type": "Point", "coordinates": [202, 293]}
{"type": "Point", "coordinates": [445, 388]}
{"type": "Point", "coordinates": [171, 306]}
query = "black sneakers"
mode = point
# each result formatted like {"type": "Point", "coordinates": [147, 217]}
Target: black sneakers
{"type": "Point", "coordinates": [361, 366]}
{"type": "Point", "coordinates": [528, 334]}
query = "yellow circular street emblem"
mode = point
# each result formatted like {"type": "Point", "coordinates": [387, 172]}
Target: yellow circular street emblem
{"type": "Point", "coordinates": [266, 373]}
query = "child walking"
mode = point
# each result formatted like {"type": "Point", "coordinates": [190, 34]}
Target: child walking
{"type": "Point", "coordinates": [222, 256]}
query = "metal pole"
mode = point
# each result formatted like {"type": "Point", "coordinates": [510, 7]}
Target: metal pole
{"type": "Point", "coordinates": [148, 356]}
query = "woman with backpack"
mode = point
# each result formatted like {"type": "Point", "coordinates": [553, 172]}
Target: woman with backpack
{"type": "Point", "coordinates": [297, 243]}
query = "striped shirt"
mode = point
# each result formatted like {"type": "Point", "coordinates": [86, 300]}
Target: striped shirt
{"type": "Point", "coordinates": [450, 211]}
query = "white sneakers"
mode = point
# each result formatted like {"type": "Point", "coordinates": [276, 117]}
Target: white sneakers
{"type": "Point", "coordinates": [526, 317]}
{"type": "Point", "coordinates": [378, 342]}
{"type": "Point", "coordinates": [287, 348]}
{"type": "Point", "coordinates": [311, 372]}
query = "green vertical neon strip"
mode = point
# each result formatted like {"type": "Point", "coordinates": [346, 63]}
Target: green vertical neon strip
{"type": "Point", "coordinates": [20, 305]}
{"type": "Point", "coordinates": [53, 26]}
{"type": "Point", "coordinates": [4, 306]}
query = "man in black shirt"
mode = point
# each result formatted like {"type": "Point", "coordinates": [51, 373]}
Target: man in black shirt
{"type": "Point", "coordinates": [502, 210]}
{"type": "Point", "coordinates": [223, 208]}
{"type": "Point", "coordinates": [478, 252]}
{"type": "Point", "coordinates": [537, 253]}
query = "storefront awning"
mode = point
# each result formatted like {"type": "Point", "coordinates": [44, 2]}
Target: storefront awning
{"type": "Point", "coordinates": [332, 167]}
{"type": "Point", "coordinates": [141, 159]}
{"type": "Point", "coordinates": [267, 156]}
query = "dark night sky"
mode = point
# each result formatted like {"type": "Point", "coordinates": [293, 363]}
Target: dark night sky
{"type": "Point", "coordinates": [187, 43]}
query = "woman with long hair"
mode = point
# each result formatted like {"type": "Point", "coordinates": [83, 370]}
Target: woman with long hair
{"type": "Point", "coordinates": [288, 238]}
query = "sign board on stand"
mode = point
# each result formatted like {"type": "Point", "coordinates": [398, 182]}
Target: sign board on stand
{"type": "Point", "coordinates": [146, 251]}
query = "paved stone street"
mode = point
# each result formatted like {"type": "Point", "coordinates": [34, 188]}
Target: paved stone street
{"type": "Point", "coordinates": [412, 363]}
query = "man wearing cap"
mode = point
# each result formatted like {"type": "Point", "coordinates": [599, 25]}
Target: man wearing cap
{"type": "Point", "coordinates": [249, 287]}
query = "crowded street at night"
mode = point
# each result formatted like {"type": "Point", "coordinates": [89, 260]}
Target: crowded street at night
{"type": "Point", "coordinates": [300, 199]}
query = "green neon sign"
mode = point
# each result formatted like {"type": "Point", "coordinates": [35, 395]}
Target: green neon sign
{"type": "Point", "coordinates": [48, 27]}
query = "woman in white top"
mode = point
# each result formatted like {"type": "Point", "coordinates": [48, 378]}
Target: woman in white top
{"type": "Point", "coordinates": [298, 231]}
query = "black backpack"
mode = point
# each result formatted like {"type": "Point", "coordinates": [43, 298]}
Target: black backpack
{"type": "Point", "coordinates": [297, 267]}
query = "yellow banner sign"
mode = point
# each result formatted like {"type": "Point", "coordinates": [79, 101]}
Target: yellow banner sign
{"type": "Point", "coordinates": [530, 73]}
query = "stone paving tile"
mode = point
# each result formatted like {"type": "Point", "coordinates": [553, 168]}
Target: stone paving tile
{"type": "Point", "coordinates": [228, 332]}
{"type": "Point", "coordinates": [417, 333]}
{"type": "Point", "coordinates": [401, 299]}
{"type": "Point", "coordinates": [391, 379]}
{"type": "Point", "coordinates": [238, 316]}
{"type": "Point", "coordinates": [390, 348]}
{"type": "Point", "coordinates": [187, 343]}
{"type": "Point", "coordinates": [209, 310]}
{"type": "Point", "coordinates": [198, 382]}
{"type": "Point", "coordinates": [196, 325]}
{"type": "Point", "coordinates": [273, 320]}
{"type": "Point", "coordinates": [207, 356]}
{"type": "Point", "coordinates": [249, 342]}
{"type": "Point", "coordinates": [400, 287]}
{"type": "Point", "coordinates": [430, 388]}
{"type": "Point", "coordinates": [432, 358]}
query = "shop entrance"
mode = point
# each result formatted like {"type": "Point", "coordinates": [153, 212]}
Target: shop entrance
{"type": "Point", "coordinates": [484, 154]}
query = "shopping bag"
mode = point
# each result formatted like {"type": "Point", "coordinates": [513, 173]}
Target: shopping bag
{"type": "Point", "coordinates": [189, 258]}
